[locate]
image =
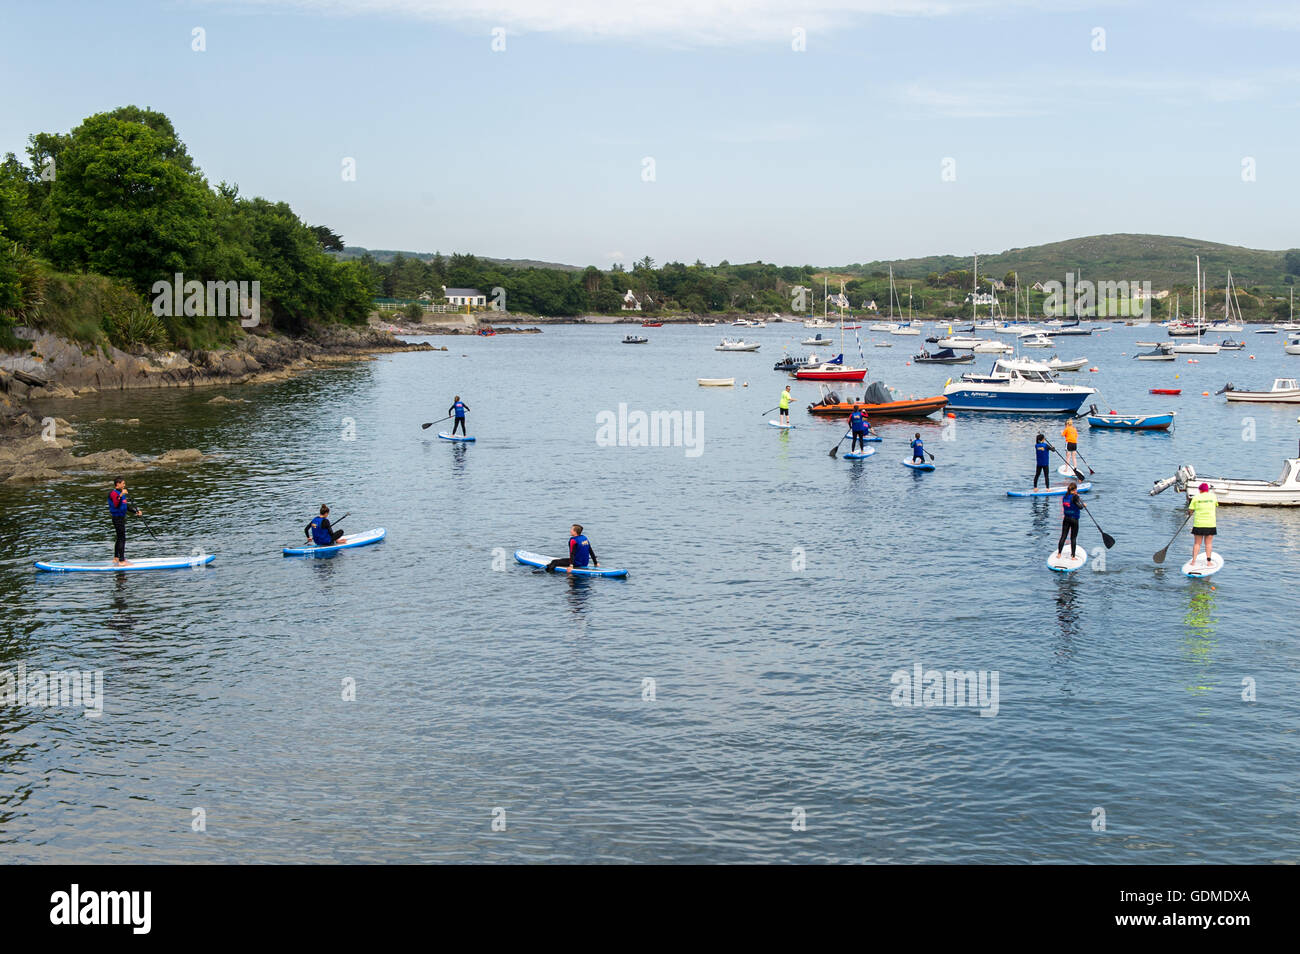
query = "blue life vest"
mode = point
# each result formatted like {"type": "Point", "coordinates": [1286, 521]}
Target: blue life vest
{"type": "Point", "coordinates": [918, 448]}
{"type": "Point", "coordinates": [117, 504]}
{"type": "Point", "coordinates": [580, 550]}
{"type": "Point", "coordinates": [1042, 450]}
{"type": "Point", "coordinates": [858, 423]}
{"type": "Point", "coordinates": [1070, 506]}
{"type": "Point", "coordinates": [459, 408]}
{"type": "Point", "coordinates": [319, 535]}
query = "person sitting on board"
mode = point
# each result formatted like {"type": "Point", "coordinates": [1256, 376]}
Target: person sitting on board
{"type": "Point", "coordinates": [458, 407]}
{"type": "Point", "coordinates": [119, 505]}
{"type": "Point", "coordinates": [786, 397]}
{"type": "Point", "coordinates": [1071, 444]}
{"type": "Point", "coordinates": [580, 551]}
{"type": "Point", "coordinates": [1041, 451]}
{"type": "Point", "coordinates": [918, 450]}
{"type": "Point", "coordinates": [320, 531]}
{"type": "Point", "coordinates": [1071, 504]}
{"type": "Point", "coordinates": [1204, 523]}
{"type": "Point", "coordinates": [860, 427]}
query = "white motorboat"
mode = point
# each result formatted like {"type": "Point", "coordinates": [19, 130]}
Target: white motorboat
{"type": "Point", "coordinates": [741, 323]}
{"type": "Point", "coordinates": [706, 324]}
{"type": "Point", "coordinates": [1283, 391]}
{"type": "Point", "coordinates": [758, 323]}
{"type": "Point", "coordinates": [1161, 353]}
{"type": "Point", "coordinates": [715, 382]}
{"type": "Point", "coordinates": [959, 342]}
{"type": "Point", "coordinates": [816, 340]}
{"type": "Point", "coordinates": [1057, 364]}
{"type": "Point", "coordinates": [1195, 348]}
{"type": "Point", "coordinates": [882, 326]}
{"type": "Point", "coordinates": [1036, 341]}
{"type": "Point", "coordinates": [905, 330]}
{"type": "Point", "coordinates": [1016, 386]}
{"type": "Point", "coordinates": [1292, 345]}
{"type": "Point", "coordinates": [739, 345]}
{"type": "Point", "coordinates": [818, 323]}
{"type": "Point", "coordinates": [1283, 492]}
{"type": "Point", "coordinates": [993, 347]}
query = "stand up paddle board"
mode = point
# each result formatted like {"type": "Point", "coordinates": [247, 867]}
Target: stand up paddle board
{"type": "Point", "coordinates": [154, 563]}
{"type": "Point", "coordinates": [916, 466]}
{"type": "Point", "coordinates": [873, 439]}
{"type": "Point", "coordinates": [1200, 568]}
{"type": "Point", "coordinates": [860, 455]}
{"type": "Point", "coordinates": [443, 435]}
{"type": "Point", "coordinates": [1065, 470]}
{"type": "Point", "coordinates": [1063, 563]}
{"type": "Point", "coordinates": [1083, 488]}
{"type": "Point", "coordinates": [528, 558]}
{"type": "Point", "coordinates": [346, 542]}
{"type": "Point", "coordinates": [784, 427]}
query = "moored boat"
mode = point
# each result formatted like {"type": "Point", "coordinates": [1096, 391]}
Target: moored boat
{"type": "Point", "coordinates": [1016, 386]}
{"type": "Point", "coordinates": [946, 356]}
{"type": "Point", "coordinates": [830, 371]}
{"type": "Point", "coordinates": [1283, 492]}
{"type": "Point", "coordinates": [877, 401]}
{"type": "Point", "coordinates": [815, 340]}
{"type": "Point", "coordinates": [741, 345]}
{"type": "Point", "coordinates": [715, 382]}
{"type": "Point", "coordinates": [1283, 391]}
{"type": "Point", "coordinates": [1131, 422]}
{"type": "Point", "coordinates": [635, 339]}
{"type": "Point", "coordinates": [1073, 364]}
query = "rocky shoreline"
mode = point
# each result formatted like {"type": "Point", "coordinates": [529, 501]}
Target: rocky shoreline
{"type": "Point", "coordinates": [35, 447]}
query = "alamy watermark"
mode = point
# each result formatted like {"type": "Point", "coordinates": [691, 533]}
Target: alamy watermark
{"type": "Point", "coordinates": [42, 689]}
{"type": "Point", "coordinates": [626, 428]}
{"type": "Point", "coordinates": [958, 689]}
{"type": "Point", "coordinates": [212, 299]}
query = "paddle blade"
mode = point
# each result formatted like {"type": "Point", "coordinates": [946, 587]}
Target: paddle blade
{"type": "Point", "coordinates": [1107, 539]}
{"type": "Point", "coordinates": [1159, 556]}
{"type": "Point", "coordinates": [835, 450]}
{"type": "Point", "coordinates": [425, 427]}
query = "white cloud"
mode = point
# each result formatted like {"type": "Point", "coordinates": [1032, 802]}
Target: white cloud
{"type": "Point", "coordinates": [681, 22]}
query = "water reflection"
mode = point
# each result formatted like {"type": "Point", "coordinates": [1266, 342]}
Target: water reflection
{"type": "Point", "coordinates": [1201, 621]}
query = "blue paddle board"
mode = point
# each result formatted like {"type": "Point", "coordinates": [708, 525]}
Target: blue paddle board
{"type": "Point", "coordinates": [346, 542]}
{"type": "Point", "coordinates": [1083, 488]}
{"type": "Point", "coordinates": [921, 466]}
{"type": "Point", "coordinates": [443, 435]}
{"type": "Point", "coordinates": [528, 558]}
{"type": "Point", "coordinates": [135, 566]}
{"type": "Point", "coordinates": [860, 455]}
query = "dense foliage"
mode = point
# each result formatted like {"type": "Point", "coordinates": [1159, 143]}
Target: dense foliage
{"type": "Point", "coordinates": [120, 197]}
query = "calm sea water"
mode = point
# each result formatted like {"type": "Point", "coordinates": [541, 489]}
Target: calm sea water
{"type": "Point", "coordinates": [737, 682]}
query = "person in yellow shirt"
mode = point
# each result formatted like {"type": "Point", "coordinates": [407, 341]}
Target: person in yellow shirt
{"type": "Point", "coordinates": [1204, 528]}
{"type": "Point", "coordinates": [1071, 444]}
{"type": "Point", "coordinates": [786, 397]}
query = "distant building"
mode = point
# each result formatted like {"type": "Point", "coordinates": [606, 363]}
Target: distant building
{"type": "Point", "coordinates": [464, 296]}
{"type": "Point", "coordinates": [983, 298]}
{"type": "Point", "coordinates": [998, 285]}
{"type": "Point", "coordinates": [870, 305]}
{"type": "Point", "coordinates": [631, 302]}
{"type": "Point", "coordinates": [1038, 287]}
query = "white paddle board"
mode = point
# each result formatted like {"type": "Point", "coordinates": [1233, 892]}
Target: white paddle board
{"type": "Point", "coordinates": [1063, 563]}
{"type": "Point", "coordinates": [784, 427]}
{"type": "Point", "coordinates": [1065, 470]}
{"type": "Point", "coordinates": [1058, 491]}
{"type": "Point", "coordinates": [1200, 568]}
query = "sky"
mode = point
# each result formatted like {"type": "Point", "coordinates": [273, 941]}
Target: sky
{"type": "Point", "coordinates": [817, 132]}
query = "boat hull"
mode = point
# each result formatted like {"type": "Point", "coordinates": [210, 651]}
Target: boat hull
{"type": "Point", "coordinates": [1132, 422]}
{"type": "Point", "coordinates": [918, 407]}
{"type": "Point", "coordinates": [973, 397]}
{"type": "Point", "coordinates": [847, 374]}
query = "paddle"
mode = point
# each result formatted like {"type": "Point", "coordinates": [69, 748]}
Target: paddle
{"type": "Point", "coordinates": [1077, 473]}
{"type": "Point", "coordinates": [1106, 538]}
{"type": "Point", "coordinates": [1159, 555]}
{"type": "Point", "coordinates": [140, 513]}
{"type": "Point", "coordinates": [425, 427]}
{"type": "Point", "coordinates": [334, 524]}
{"type": "Point", "coordinates": [769, 410]}
{"type": "Point", "coordinates": [836, 449]}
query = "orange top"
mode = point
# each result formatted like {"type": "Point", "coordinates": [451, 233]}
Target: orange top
{"type": "Point", "coordinates": [1070, 434]}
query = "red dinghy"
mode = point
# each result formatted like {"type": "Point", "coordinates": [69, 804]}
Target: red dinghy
{"type": "Point", "coordinates": [1166, 390]}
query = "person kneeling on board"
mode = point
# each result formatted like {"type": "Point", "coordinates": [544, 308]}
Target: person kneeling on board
{"type": "Point", "coordinates": [458, 408]}
{"type": "Point", "coordinates": [1204, 524]}
{"type": "Point", "coordinates": [918, 450]}
{"type": "Point", "coordinates": [1041, 451]}
{"type": "Point", "coordinates": [580, 551]}
{"type": "Point", "coordinates": [119, 505]}
{"type": "Point", "coordinates": [860, 427]}
{"type": "Point", "coordinates": [320, 531]}
{"type": "Point", "coordinates": [1071, 505]}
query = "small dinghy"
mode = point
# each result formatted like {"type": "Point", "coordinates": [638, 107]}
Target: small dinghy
{"type": "Point", "coordinates": [815, 340]}
{"type": "Point", "coordinates": [635, 339]}
{"type": "Point", "coordinates": [1073, 364]}
{"type": "Point", "coordinates": [1227, 344]}
{"type": "Point", "coordinates": [946, 356]}
{"type": "Point", "coordinates": [1115, 421]}
{"type": "Point", "coordinates": [742, 345]}
{"type": "Point", "coordinates": [715, 382]}
{"type": "Point", "coordinates": [1160, 354]}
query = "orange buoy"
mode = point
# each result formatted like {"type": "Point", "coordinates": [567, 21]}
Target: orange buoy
{"type": "Point", "coordinates": [1205, 394]}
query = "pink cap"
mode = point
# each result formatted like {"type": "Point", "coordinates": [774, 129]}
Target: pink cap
{"type": "Point", "coordinates": [1204, 487]}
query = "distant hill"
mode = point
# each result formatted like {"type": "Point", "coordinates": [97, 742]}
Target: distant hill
{"type": "Point", "coordinates": [388, 254]}
{"type": "Point", "coordinates": [1161, 259]}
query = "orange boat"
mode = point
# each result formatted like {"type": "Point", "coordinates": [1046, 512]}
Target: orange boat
{"type": "Point", "coordinates": [874, 404]}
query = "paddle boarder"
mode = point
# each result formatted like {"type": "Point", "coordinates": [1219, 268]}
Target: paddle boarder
{"type": "Point", "coordinates": [1071, 436]}
{"type": "Point", "coordinates": [1204, 522]}
{"type": "Point", "coordinates": [786, 397]}
{"type": "Point", "coordinates": [1071, 506]}
{"type": "Point", "coordinates": [319, 530]}
{"type": "Point", "coordinates": [918, 449]}
{"type": "Point", "coordinates": [860, 427]}
{"type": "Point", "coordinates": [1042, 450]}
{"type": "Point", "coordinates": [580, 551]}
{"type": "Point", "coordinates": [119, 505]}
{"type": "Point", "coordinates": [458, 408]}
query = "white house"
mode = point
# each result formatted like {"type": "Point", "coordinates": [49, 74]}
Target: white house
{"type": "Point", "coordinates": [464, 296]}
{"type": "Point", "coordinates": [984, 298]}
{"type": "Point", "coordinates": [631, 302]}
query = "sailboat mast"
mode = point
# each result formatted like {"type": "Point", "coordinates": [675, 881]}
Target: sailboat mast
{"type": "Point", "coordinates": [974, 308]}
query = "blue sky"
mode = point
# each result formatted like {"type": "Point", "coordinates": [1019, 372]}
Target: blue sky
{"type": "Point", "coordinates": [826, 156]}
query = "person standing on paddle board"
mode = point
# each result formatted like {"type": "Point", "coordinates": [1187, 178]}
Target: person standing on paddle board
{"type": "Point", "coordinates": [1204, 523]}
{"type": "Point", "coordinates": [860, 427]}
{"type": "Point", "coordinates": [1071, 505]}
{"type": "Point", "coordinates": [1041, 451]}
{"type": "Point", "coordinates": [1071, 436]}
{"type": "Point", "coordinates": [786, 396]}
{"type": "Point", "coordinates": [320, 531]}
{"type": "Point", "coordinates": [119, 505]}
{"type": "Point", "coordinates": [458, 408]}
{"type": "Point", "coordinates": [918, 450]}
{"type": "Point", "coordinates": [580, 551]}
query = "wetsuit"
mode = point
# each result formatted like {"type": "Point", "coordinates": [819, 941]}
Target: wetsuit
{"type": "Point", "coordinates": [322, 534]}
{"type": "Point", "coordinates": [1070, 506]}
{"type": "Point", "coordinates": [459, 408]}
{"type": "Point", "coordinates": [918, 451]}
{"type": "Point", "coordinates": [118, 507]}
{"type": "Point", "coordinates": [580, 554]}
{"type": "Point", "coordinates": [1041, 450]}
{"type": "Point", "coordinates": [860, 427]}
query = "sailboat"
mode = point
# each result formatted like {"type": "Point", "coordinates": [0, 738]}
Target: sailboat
{"type": "Point", "coordinates": [834, 370]}
{"type": "Point", "coordinates": [1198, 319]}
